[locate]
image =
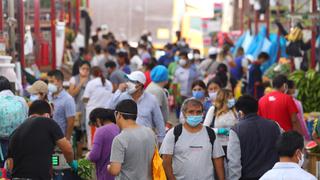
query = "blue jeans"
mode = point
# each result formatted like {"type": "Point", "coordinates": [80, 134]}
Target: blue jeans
{"type": "Point", "coordinates": [4, 143]}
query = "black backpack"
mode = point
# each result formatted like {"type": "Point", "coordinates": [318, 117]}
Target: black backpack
{"type": "Point", "coordinates": [178, 130]}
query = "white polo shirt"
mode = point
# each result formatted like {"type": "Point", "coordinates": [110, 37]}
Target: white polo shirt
{"type": "Point", "coordinates": [287, 171]}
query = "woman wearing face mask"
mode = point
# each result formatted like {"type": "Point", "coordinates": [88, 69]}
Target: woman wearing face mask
{"type": "Point", "coordinates": [77, 86]}
{"type": "Point", "coordinates": [292, 91]}
{"type": "Point", "coordinates": [222, 115]}
{"type": "Point", "coordinates": [199, 91]}
{"type": "Point", "coordinates": [213, 86]}
{"type": "Point", "coordinates": [98, 93]}
{"type": "Point", "coordinates": [38, 91]}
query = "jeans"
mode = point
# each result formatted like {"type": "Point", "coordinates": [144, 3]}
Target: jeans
{"type": "Point", "coordinates": [4, 143]}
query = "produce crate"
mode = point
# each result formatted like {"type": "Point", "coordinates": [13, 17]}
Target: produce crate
{"type": "Point", "coordinates": [314, 164]}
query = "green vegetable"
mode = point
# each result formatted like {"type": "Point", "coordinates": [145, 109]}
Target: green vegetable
{"type": "Point", "coordinates": [308, 84]}
{"type": "Point", "coordinates": [85, 169]}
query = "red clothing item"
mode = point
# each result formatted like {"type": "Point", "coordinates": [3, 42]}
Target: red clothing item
{"type": "Point", "coordinates": [148, 77]}
{"type": "Point", "coordinates": [278, 107]}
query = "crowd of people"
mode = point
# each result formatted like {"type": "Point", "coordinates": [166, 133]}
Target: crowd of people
{"type": "Point", "coordinates": [122, 105]}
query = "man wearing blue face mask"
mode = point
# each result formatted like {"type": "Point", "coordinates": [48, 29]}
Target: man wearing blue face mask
{"type": "Point", "coordinates": [190, 150]}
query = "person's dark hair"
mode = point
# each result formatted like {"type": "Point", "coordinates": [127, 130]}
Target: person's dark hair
{"type": "Point", "coordinates": [240, 51]}
{"type": "Point", "coordinates": [168, 46]}
{"type": "Point", "coordinates": [110, 64]}
{"type": "Point", "coordinates": [96, 72]}
{"type": "Point", "coordinates": [288, 143]}
{"type": "Point", "coordinates": [57, 74]}
{"type": "Point", "coordinates": [183, 54]}
{"type": "Point", "coordinates": [291, 84]}
{"type": "Point", "coordinates": [133, 51]}
{"type": "Point", "coordinates": [263, 55]}
{"type": "Point", "coordinates": [128, 109]}
{"type": "Point", "coordinates": [199, 83]}
{"type": "Point", "coordinates": [221, 74]}
{"type": "Point", "coordinates": [247, 104]}
{"type": "Point", "coordinates": [193, 102]}
{"type": "Point", "coordinates": [150, 64]}
{"type": "Point", "coordinates": [279, 80]}
{"type": "Point", "coordinates": [39, 107]}
{"type": "Point", "coordinates": [81, 63]}
{"type": "Point", "coordinates": [103, 114]}
{"type": "Point", "coordinates": [195, 51]}
{"type": "Point", "coordinates": [97, 49]}
{"type": "Point", "coordinates": [123, 54]}
{"type": "Point", "coordinates": [4, 84]}
{"type": "Point", "coordinates": [215, 80]}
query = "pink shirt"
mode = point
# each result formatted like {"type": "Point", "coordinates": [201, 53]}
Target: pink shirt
{"type": "Point", "coordinates": [301, 119]}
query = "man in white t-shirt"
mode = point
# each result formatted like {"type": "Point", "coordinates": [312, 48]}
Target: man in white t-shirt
{"type": "Point", "coordinates": [290, 148]}
{"type": "Point", "coordinates": [190, 151]}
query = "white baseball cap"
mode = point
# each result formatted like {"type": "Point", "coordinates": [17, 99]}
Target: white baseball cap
{"type": "Point", "coordinates": [137, 76]}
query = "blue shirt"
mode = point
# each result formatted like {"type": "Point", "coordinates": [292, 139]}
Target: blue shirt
{"type": "Point", "coordinates": [64, 108]}
{"type": "Point", "coordinates": [165, 60]}
{"type": "Point", "coordinates": [149, 113]}
{"type": "Point", "coordinates": [236, 72]}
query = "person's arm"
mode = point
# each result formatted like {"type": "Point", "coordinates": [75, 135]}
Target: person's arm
{"type": "Point", "coordinates": [70, 112]}
{"type": "Point", "coordinates": [295, 123]}
{"type": "Point", "coordinates": [70, 126]}
{"type": "Point", "coordinates": [66, 149]}
{"type": "Point", "coordinates": [219, 167]}
{"type": "Point", "coordinates": [74, 89]}
{"type": "Point", "coordinates": [167, 165]}
{"type": "Point", "coordinates": [117, 97]}
{"type": "Point", "coordinates": [234, 156]}
{"type": "Point", "coordinates": [158, 122]}
{"type": "Point", "coordinates": [166, 150]}
{"type": "Point", "coordinates": [118, 149]}
{"type": "Point", "coordinates": [209, 117]}
{"type": "Point", "coordinates": [96, 152]}
{"type": "Point", "coordinates": [114, 168]}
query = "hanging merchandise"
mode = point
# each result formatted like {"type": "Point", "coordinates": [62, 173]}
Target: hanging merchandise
{"type": "Point", "coordinates": [60, 36]}
{"type": "Point", "coordinates": [238, 44]}
{"type": "Point", "coordinates": [28, 41]}
{"type": "Point", "coordinates": [257, 43]}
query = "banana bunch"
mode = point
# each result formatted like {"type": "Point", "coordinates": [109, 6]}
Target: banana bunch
{"type": "Point", "coordinates": [295, 34]}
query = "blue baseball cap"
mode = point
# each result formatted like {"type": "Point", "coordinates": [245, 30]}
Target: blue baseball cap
{"type": "Point", "coordinates": [159, 74]}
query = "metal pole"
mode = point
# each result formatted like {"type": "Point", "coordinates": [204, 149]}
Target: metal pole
{"type": "Point", "coordinates": [37, 28]}
{"type": "Point", "coordinates": [12, 36]}
{"type": "Point", "coordinates": [241, 15]}
{"type": "Point", "coordinates": [53, 34]}
{"type": "Point", "coordinates": [21, 29]}
{"type": "Point", "coordinates": [77, 15]}
{"type": "Point", "coordinates": [1, 17]}
{"type": "Point", "coordinates": [62, 10]}
{"type": "Point", "coordinates": [314, 34]}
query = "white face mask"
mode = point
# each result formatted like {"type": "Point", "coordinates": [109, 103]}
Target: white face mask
{"type": "Point", "coordinates": [301, 160]}
{"type": "Point", "coordinates": [52, 88]}
{"type": "Point", "coordinates": [131, 87]}
{"type": "Point", "coordinates": [34, 97]}
{"type": "Point", "coordinates": [213, 95]}
{"type": "Point", "coordinates": [196, 56]}
{"type": "Point", "coordinates": [182, 62]}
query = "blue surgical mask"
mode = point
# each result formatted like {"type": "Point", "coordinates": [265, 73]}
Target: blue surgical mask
{"type": "Point", "coordinates": [194, 120]}
{"type": "Point", "coordinates": [198, 94]}
{"type": "Point", "coordinates": [33, 97]}
{"type": "Point", "coordinates": [231, 103]}
{"type": "Point", "coordinates": [176, 58]}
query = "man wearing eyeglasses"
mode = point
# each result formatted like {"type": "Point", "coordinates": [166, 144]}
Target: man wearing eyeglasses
{"type": "Point", "coordinates": [132, 150]}
{"type": "Point", "coordinates": [149, 113]}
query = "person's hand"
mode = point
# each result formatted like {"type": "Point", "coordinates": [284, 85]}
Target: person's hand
{"type": "Point", "coordinates": [74, 165]}
{"type": "Point", "coordinates": [122, 87]}
{"type": "Point", "coordinates": [223, 131]}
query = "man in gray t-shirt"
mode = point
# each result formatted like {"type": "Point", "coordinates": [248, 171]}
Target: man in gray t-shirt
{"type": "Point", "coordinates": [132, 150]}
{"type": "Point", "coordinates": [192, 156]}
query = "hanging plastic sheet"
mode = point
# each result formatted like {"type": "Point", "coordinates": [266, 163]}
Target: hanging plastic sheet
{"type": "Point", "coordinates": [257, 43]}
{"type": "Point", "coordinates": [247, 41]}
{"type": "Point", "coordinates": [238, 44]}
{"type": "Point", "coordinates": [60, 29]}
{"type": "Point", "coordinates": [272, 50]}
{"type": "Point", "coordinates": [283, 46]}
